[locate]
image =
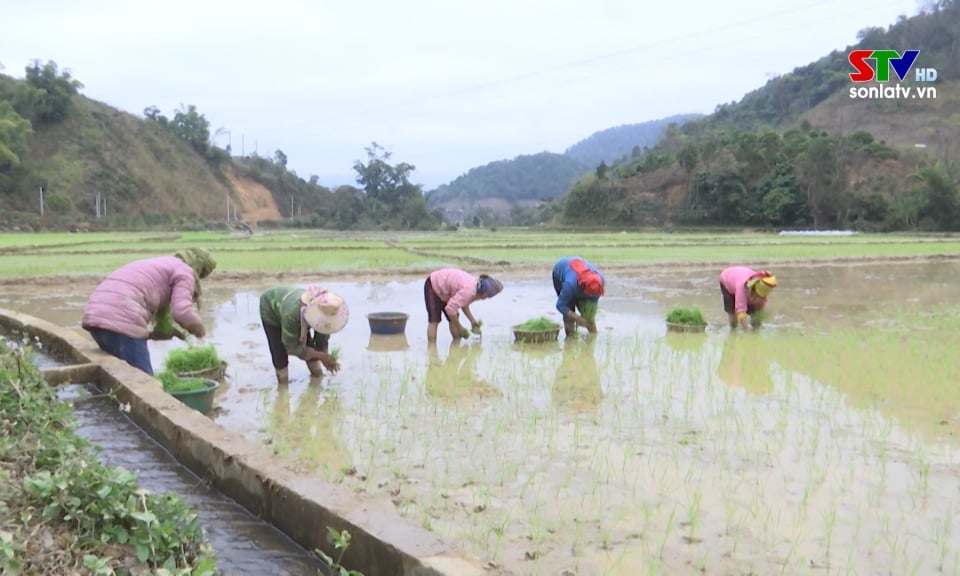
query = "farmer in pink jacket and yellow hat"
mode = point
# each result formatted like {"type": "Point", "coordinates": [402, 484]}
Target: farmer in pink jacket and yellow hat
{"type": "Point", "coordinates": [299, 322]}
{"type": "Point", "coordinates": [745, 291]}
{"type": "Point", "coordinates": [120, 309]}
{"type": "Point", "coordinates": [449, 290]}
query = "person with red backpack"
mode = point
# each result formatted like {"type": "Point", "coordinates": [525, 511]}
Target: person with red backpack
{"type": "Point", "coordinates": [579, 286]}
{"type": "Point", "coordinates": [745, 292]}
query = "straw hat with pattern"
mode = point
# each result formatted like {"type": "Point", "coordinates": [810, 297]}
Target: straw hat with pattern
{"type": "Point", "coordinates": [325, 312]}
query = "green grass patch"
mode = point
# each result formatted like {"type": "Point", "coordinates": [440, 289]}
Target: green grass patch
{"type": "Point", "coordinates": [309, 251]}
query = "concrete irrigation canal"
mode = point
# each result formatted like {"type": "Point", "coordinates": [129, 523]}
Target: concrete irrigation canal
{"type": "Point", "coordinates": [259, 515]}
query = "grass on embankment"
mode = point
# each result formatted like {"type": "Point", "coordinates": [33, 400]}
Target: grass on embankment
{"type": "Point", "coordinates": [61, 511]}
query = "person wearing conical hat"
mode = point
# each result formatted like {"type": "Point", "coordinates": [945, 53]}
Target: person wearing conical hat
{"type": "Point", "coordinates": [579, 286]}
{"type": "Point", "coordinates": [447, 291]}
{"type": "Point", "coordinates": [299, 322]}
{"type": "Point", "coordinates": [745, 292]}
{"type": "Point", "coordinates": [121, 308]}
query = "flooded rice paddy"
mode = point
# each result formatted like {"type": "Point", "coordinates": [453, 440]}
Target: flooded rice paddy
{"type": "Point", "coordinates": [826, 443]}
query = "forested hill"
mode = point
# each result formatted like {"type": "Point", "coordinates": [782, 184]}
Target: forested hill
{"type": "Point", "coordinates": [67, 161]}
{"type": "Point", "coordinates": [801, 152]}
{"type": "Point", "coordinates": [531, 177]}
{"type": "Point", "coordinates": [628, 139]}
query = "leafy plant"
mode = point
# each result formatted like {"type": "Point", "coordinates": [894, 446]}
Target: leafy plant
{"type": "Point", "coordinates": [341, 542]}
{"type": "Point", "coordinates": [537, 325]}
{"type": "Point", "coordinates": [192, 359]}
{"type": "Point", "coordinates": [52, 481]}
{"type": "Point", "coordinates": [682, 315]}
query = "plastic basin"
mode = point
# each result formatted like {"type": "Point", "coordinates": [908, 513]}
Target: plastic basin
{"type": "Point", "coordinates": [387, 322]}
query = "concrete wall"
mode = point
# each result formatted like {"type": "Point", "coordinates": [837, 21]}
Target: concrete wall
{"type": "Point", "coordinates": [301, 506]}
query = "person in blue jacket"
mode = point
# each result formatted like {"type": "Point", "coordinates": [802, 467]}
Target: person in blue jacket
{"type": "Point", "coordinates": [579, 286]}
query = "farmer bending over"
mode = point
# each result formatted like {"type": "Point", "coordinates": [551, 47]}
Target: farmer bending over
{"type": "Point", "coordinates": [745, 292]}
{"type": "Point", "coordinates": [121, 308]}
{"type": "Point", "coordinates": [449, 290]}
{"type": "Point", "coordinates": [298, 322]}
{"type": "Point", "coordinates": [579, 286]}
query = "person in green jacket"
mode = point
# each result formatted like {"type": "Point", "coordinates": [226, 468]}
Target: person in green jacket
{"type": "Point", "coordinates": [298, 322]}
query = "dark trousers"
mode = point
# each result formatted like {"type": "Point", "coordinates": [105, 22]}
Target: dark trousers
{"type": "Point", "coordinates": [728, 302]}
{"type": "Point", "coordinates": [435, 306]}
{"type": "Point", "coordinates": [278, 352]}
{"type": "Point", "coordinates": [133, 351]}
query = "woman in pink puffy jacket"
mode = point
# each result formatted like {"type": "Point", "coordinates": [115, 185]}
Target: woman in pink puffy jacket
{"type": "Point", "coordinates": [120, 309]}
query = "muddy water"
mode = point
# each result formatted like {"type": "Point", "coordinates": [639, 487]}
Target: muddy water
{"type": "Point", "coordinates": [243, 544]}
{"type": "Point", "coordinates": [824, 443]}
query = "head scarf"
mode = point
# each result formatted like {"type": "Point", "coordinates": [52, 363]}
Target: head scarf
{"type": "Point", "coordinates": [762, 283]}
{"type": "Point", "coordinates": [202, 263]}
{"type": "Point", "coordinates": [589, 280]}
{"type": "Point", "coordinates": [489, 287]}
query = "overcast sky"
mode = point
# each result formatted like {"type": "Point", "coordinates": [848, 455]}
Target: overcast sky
{"type": "Point", "coordinates": [445, 85]}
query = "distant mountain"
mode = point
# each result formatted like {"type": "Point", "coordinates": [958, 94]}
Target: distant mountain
{"type": "Point", "coordinates": [614, 143]}
{"type": "Point", "coordinates": [525, 178]}
{"type": "Point", "coordinates": [810, 149]}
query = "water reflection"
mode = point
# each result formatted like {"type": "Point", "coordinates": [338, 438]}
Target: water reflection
{"type": "Point", "coordinates": [307, 435]}
{"type": "Point", "coordinates": [577, 385]}
{"type": "Point", "coordinates": [686, 341]}
{"type": "Point", "coordinates": [387, 343]}
{"type": "Point", "coordinates": [745, 362]}
{"type": "Point", "coordinates": [905, 373]}
{"type": "Point", "coordinates": [455, 378]}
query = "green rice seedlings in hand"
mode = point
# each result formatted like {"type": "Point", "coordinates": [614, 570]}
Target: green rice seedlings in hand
{"type": "Point", "coordinates": [192, 359]}
{"type": "Point", "coordinates": [759, 317]}
{"type": "Point", "coordinates": [477, 327]}
{"type": "Point", "coordinates": [589, 310]}
{"type": "Point", "coordinates": [163, 325]}
{"type": "Point", "coordinates": [537, 325]}
{"type": "Point", "coordinates": [335, 353]}
{"type": "Point", "coordinates": [691, 316]}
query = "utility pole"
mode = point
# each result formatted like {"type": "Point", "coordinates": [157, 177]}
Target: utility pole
{"type": "Point", "coordinates": [228, 207]}
{"type": "Point", "coordinates": [243, 153]}
{"type": "Point", "coordinates": [41, 201]}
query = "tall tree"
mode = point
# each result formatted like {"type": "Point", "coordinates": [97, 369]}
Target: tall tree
{"type": "Point", "coordinates": [14, 132]}
{"type": "Point", "coordinates": [53, 91]}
